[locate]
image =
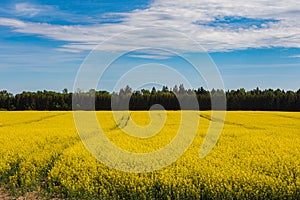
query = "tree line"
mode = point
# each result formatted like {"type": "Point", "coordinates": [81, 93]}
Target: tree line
{"type": "Point", "coordinates": [239, 99]}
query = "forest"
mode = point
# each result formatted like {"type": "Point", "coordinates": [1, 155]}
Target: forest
{"type": "Point", "coordinates": [240, 99]}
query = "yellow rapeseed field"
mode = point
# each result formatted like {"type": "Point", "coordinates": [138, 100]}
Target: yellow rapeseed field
{"type": "Point", "coordinates": [257, 157]}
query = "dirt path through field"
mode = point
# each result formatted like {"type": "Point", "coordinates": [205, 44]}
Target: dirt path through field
{"type": "Point", "coordinates": [3, 195]}
{"type": "Point", "coordinates": [28, 196]}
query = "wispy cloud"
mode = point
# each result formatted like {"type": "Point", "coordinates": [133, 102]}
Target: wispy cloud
{"type": "Point", "coordinates": [150, 56]}
{"type": "Point", "coordinates": [295, 56]}
{"type": "Point", "coordinates": [245, 24]}
{"type": "Point", "coordinates": [270, 66]}
{"type": "Point", "coordinates": [30, 10]}
{"type": "Point", "coordinates": [151, 53]}
{"type": "Point", "coordinates": [33, 58]}
{"type": "Point", "coordinates": [51, 14]}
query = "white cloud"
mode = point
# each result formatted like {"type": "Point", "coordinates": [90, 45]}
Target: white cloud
{"type": "Point", "coordinates": [181, 16]}
{"type": "Point", "coordinates": [19, 58]}
{"type": "Point", "coordinates": [151, 53]}
{"type": "Point", "coordinates": [12, 22]}
{"type": "Point", "coordinates": [76, 47]}
{"type": "Point", "coordinates": [30, 10]}
{"type": "Point", "coordinates": [295, 56]}
{"type": "Point", "coordinates": [251, 66]}
{"type": "Point", "coordinates": [150, 56]}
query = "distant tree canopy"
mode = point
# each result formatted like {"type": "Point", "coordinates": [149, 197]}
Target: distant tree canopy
{"type": "Point", "coordinates": [143, 100]}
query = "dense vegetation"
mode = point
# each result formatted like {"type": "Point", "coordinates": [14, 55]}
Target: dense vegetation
{"type": "Point", "coordinates": [257, 157]}
{"type": "Point", "coordinates": [142, 100]}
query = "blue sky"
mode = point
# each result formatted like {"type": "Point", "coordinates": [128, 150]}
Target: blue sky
{"type": "Point", "coordinates": [253, 43]}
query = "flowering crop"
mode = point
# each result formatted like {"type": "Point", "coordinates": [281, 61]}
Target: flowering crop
{"type": "Point", "coordinates": [257, 156]}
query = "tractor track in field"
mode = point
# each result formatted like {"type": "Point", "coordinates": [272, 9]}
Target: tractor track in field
{"type": "Point", "coordinates": [33, 195]}
{"type": "Point", "coordinates": [28, 196]}
{"type": "Point", "coordinates": [4, 195]}
{"type": "Point", "coordinates": [289, 117]}
{"type": "Point", "coordinates": [122, 123]}
{"type": "Point", "coordinates": [32, 121]}
{"type": "Point", "coordinates": [230, 123]}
